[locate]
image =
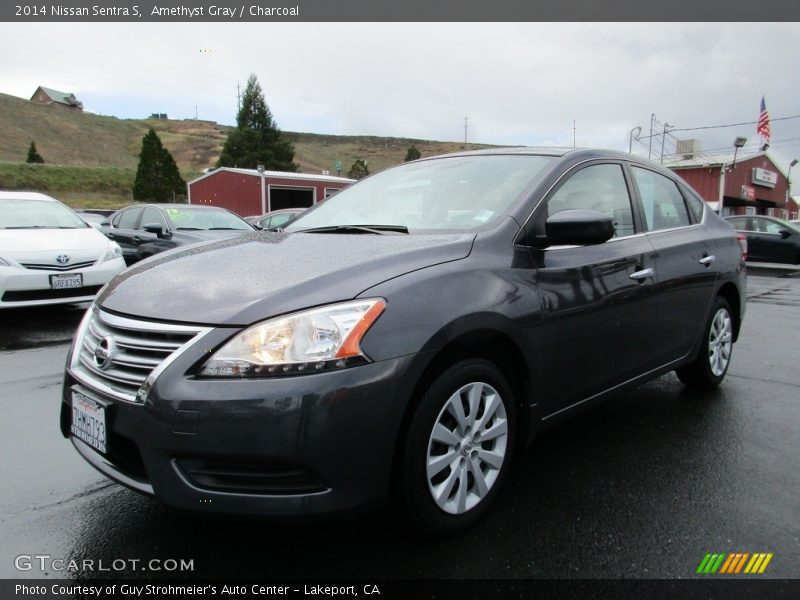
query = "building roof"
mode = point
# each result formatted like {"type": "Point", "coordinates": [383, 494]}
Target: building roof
{"type": "Point", "coordinates": [60, 97]}
{"type": "Point", "coordinates": [278, 174]}
{"type": "Point", "coordinates": [715, 160]}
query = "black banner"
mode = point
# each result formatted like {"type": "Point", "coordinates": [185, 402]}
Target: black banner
{"type": "Point", "coordinates": [652, 589]}
{"type": "Point", "coordinates": [226, 11]}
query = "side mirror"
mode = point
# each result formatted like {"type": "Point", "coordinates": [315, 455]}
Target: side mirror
{"type": "Point", "coordinates": [579, 228]}
{"type": "Point", "coordinates": [785, 233]}
{"type": "Point", "coordinates": [155, 228]}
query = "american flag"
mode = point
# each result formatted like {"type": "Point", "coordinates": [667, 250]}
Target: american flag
{"type": "Point", "coordinates": [762, 128]}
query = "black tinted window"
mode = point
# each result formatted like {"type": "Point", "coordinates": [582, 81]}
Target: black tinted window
{"type": "Point", "coordinates": [663, 203]}
{"type": "Point", "coordinates": [153, 216]}
{"type": "Point", "coordinates": [598, 187]}
{"type": "Point", "coordinates": [129, 218]}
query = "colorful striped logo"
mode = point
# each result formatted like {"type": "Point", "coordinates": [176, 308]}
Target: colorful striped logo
{"type": "Point", "coordinates": [734, 563]}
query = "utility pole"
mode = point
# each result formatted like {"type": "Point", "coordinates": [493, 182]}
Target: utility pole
{"type": "Point", "coordinates": [195, 112]}
{"type": "Point", "coordinates": [238, 98]}
{"type": "Point", "coordinates": [465, 129]}
{"type": "Point", "coordinates": [573, 133]}
{"type": "Point", "coordinates": [650, 149]}
{"type": "Point", "coordinates": [663, 139]}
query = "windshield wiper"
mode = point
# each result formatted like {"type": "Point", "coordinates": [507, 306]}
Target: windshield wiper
{"type": "Point", "coordinates": [190, 228]}
{"type": "Point", "coordinates": [28, 227]}
{"type": "Point", "coordinates": [376, 229]}
{"type": "Point", "coordinates": [225, 229]}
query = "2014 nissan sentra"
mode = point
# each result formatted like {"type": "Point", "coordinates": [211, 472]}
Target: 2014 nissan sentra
{"type": "Point", "coordinates": [407, 336]}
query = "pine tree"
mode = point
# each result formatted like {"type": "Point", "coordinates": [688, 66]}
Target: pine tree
{"type": "Point", "coordinates": [358, 170]}
{"type": "Point", "coordinates": [34, 156]}
{"type": "Point", "coordinates": [413, 154]}
{"type": "Point", "coordinates": [157, 176]}
{"type": "Point", "coordinates": [256, 139]}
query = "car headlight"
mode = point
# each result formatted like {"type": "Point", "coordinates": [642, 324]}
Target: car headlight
{"type": "Point", "coordinates": [305, 342]}
{"type": "Point", "coordinates": [114, 251]}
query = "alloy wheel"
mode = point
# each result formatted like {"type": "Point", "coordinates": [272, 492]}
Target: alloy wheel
{"type": "Point", "coordinates": [467, 447]}
{"type": "Point", "coordinates": [720, 342]}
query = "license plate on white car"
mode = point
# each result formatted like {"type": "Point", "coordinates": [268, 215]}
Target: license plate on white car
{"type": "Point", "coordinates": [89, 421]}
{"type": "Point", "coordinates": [67, 281]}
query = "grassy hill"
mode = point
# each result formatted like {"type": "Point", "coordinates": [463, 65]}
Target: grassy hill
{"type": "Point", "coordinates": [91, 159]}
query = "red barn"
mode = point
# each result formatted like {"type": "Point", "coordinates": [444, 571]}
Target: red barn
{"type": "Point", "coordinates": [248, 192]}
{"type": "Point", "coordinates": [754, 185]}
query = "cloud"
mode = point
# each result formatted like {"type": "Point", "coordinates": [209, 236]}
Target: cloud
{"type": "Point", "coordinates": [518, 83]}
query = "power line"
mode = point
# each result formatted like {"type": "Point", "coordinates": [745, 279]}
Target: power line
{"type": "Point", "coordinates": [735, 124]}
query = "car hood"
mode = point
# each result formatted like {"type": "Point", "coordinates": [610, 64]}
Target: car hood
{"type": "Point", "coordinates": [242, 280]}
{"type": "Point", "coordinates": [16, 242]}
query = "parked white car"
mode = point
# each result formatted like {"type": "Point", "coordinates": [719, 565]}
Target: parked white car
{"type": "Point", "coordinates": [49, 255]}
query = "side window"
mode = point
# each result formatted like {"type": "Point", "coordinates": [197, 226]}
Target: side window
{"type": "Point", "coordinates": [128, 218]}
{"type": "Point", "coordinates": [737, 224]}
{"type": "Point", "coordinates": [279, 220]}
{"type": "Point", "coordinates": [115, 220]}
{"type": "Point", "coordinates": [598, 187]}
{"type": "Point", "coordinates": [695, 204]}
{"type": "Point", "coordinates": [663, 203]}
{"type": "Point", "coordinates": [772, 226]}
{"type": "Point", "coordinates": [152, 215]}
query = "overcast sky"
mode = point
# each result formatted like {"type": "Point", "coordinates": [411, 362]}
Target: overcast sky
{"type": "Point", "coordinates": [517, 83]}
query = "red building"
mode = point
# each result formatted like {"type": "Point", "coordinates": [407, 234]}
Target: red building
{"type": "Point", "coordinates": [248, 192]}
{"type": "Point", "coordinates": [753, 185]}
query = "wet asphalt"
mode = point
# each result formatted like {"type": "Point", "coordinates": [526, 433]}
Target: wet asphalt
{"type": "Point", "coordinates": [642, 486]}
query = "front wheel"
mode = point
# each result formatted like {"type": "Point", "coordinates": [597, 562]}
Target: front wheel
{"type": "Point", "coordinates": [709, 368]}
{"type": "Point", "coordinates": [458, 447]}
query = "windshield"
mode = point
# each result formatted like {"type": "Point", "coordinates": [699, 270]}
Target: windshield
{"type": "Point", "coordinates": [458, 193]}
{"type": "Point", "coordinates": [38, 214]}
{"type": "Point", "coordinates": [205, 218]}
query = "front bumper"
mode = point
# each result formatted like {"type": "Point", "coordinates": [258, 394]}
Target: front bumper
{"type": "Point", "coordinates": [292, 446]}
{"type": "Point", "coordinates": [23, 287]}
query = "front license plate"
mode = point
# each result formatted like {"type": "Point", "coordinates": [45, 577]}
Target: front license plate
{"type": "Point", "coordinates": [63, 282]}
{"type": "Point", "coordinates": [88, 421]}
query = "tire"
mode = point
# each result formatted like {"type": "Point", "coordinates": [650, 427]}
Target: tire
{"type": "Point", "coordinates": [440, 457]}
{"type": "Point", "coordinates": [712, 362]}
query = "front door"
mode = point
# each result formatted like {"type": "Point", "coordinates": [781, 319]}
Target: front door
{"type": "Point", "coordinates": [598, 301]}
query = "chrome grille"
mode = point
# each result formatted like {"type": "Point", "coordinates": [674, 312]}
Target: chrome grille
{"type": "Point", "coordinates": [72, 267]}
{"type": "Point", "coordinates": [132, 354]}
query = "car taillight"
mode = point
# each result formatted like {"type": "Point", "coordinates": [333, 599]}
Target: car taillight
{"type": "Point", "coordinates": [743, 243]}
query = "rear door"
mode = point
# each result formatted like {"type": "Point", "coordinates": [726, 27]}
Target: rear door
{"type": "Point", "coordinates": [598, 301]}
{"type": "Point", "coordinates": [685, 264]}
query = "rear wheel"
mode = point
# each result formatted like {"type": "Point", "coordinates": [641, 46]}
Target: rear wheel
{"type": "Point", "coordinates": [709, 368]}
{"type": "Point", "coordinates": [458, 447]}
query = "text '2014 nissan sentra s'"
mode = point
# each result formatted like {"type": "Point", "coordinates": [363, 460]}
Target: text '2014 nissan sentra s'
{"type": "Point", "coordinates": [406, 337]}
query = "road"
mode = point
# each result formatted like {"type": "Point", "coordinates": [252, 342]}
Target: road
{"type": "Point", "coordinates": [642, 486]}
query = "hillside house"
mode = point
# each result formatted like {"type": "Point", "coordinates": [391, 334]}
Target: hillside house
{"type": "Point", "coordinates": [50, 97]}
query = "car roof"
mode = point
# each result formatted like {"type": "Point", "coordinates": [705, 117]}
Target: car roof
{"type": "Point", "coordinates": [174, 205]}
{"type": "Point", "coordinates": [577, 153]}
{"type": "Point", "coordinates": [25, 196]}
{"type": "Point", "coordinates": [572, 156]}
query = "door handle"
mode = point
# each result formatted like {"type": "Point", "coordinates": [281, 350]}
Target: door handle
{"type": "Point", "coordinates": [642, 275]}
{"type": "Point", "coordinates": [707, 260]}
